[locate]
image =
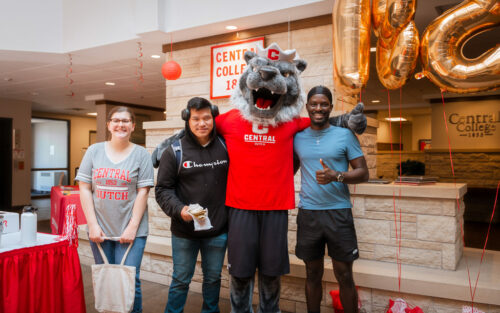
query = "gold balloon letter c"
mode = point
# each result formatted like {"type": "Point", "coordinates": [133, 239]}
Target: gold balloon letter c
{"type": "Point", "coordinates": [442, 42]}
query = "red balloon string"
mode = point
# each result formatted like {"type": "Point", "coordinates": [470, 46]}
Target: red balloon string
{"type": "Point", "coordinates": [390, 117]}
{"type": "Point", "coordinates": [400, 180]}
{"type": "Point", "coordinates": [486, 241]}
{"type": "Point", "coordinates": [140, 65]}
{"type": "Point", "coordinates": [457, 200]}
{"type": "Point", "coordinates": [69, 71]}
{"type": "Point", "coordinates": [354, 191]}
{"type": "Point", "coordinates": [472, 291]}
{"type": "Point", "coordinates": [396, 228]}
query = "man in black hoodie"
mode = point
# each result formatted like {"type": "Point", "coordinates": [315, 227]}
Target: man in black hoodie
{"type": "Point", "coordinates": [198, 175]}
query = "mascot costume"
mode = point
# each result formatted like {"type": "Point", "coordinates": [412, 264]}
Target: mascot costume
{"type": "Point", "coordinates": [260, 188]}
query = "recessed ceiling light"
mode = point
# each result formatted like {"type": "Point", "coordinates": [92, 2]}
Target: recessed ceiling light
{"type": "Point", "coordinates": [99, 96]}
{"type": "Point", "coordinates": [155, 56]}
{"type": "Point", "coordinates": [110, 83]}
{"type": "Point", "coordinates": [375, 101]}
{"type": "Point", "coordinates": [92, 113]}
{"type": "Point", "coordinates": [164, 112]}
{"type": "Point", "coordinates": [231, 27]}
{"type": "Point", "coordinates": [373, 49]}
{"type": "Point", "coordinates": [395, 119]}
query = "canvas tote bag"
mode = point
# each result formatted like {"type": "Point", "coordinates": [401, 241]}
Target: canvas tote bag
{"type": "Point", "coordinates": [114, 285]}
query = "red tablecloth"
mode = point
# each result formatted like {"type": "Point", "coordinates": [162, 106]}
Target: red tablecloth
{"type": "Point", "coordinates": [41, 279]}
{"type": "Point", "coordinates": [58, 203]}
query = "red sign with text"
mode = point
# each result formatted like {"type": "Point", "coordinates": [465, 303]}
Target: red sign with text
{"type": "Point", "coordinates": [227, 65]}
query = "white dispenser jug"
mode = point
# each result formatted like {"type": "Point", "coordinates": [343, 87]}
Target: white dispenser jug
{"type": "Point", "coordinates": [28, 225]}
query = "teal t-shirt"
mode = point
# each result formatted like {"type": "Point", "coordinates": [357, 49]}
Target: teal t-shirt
{"type": "Point", "coordinates": [336, 146]}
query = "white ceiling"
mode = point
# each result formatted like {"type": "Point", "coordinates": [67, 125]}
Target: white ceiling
{"type": "Point", "coordinates": [41, 77]}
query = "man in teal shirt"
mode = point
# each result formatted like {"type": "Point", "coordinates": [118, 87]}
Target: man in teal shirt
{"type": "Point", "coordinates": [325, 153]}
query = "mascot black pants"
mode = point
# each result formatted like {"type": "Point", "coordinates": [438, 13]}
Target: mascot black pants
{"type": "Point", "coordinates": [242, 291]}
{"type": "Point", "coordinates": [257, 239]}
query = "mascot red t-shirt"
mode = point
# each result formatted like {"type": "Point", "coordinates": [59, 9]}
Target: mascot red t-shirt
{"type": "Point", "coordinates": [260, 162]}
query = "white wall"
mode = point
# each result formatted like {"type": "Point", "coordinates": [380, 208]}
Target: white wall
{"type": "Point", "coordinates": [50, 144]}
{"type": "Point", "coordinates": [20, 112]}
{"type": "Point", "coordinates": [383, 134]}
{"type": "Point", "coordinates": [421, 129]}
{"type": "Point", "coordinates": [185, 14]}
{"type": "Point", "coordinates": [79, 137]}
{"type": "Point", "coordinates": [61, 26]}
{"type": "Point", "coordinates": [31, 25]}
{"type": "Point", "coordinates": [94, 23]}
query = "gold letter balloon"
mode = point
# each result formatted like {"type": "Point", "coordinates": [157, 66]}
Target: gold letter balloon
{"type": "Point", "coordinates": [398, 41]}
{"type": "Point", "coordinates": [351, 45]}
{"type": "Point", "coordinates": [441, 50]}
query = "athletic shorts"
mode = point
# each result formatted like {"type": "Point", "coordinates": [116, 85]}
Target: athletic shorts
{"type": "Point", "coordinates": [257, 240]}
{"type": "Point", "coordinates": [335, 228]}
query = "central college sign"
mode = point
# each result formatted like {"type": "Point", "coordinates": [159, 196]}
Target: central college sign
{"type": "Point", "coordinates": [475, 125]}
{"type": "Point", "coordinates": [227, 64]}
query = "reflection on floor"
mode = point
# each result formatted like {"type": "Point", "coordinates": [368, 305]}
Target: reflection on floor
{"type": "Point", "coordinates": [475, 235]}
{"type": "Point", "coordinates": [154, 296]}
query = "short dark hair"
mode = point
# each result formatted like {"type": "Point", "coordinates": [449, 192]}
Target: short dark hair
{"type": "Point", "coordinates": [322, 90]}
{"type": "Point", "coordinates": [120, 109]}
{"type": "Point", "coordinates": [198, 103]}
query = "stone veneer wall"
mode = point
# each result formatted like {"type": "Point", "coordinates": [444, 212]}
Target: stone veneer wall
{"type": "Point", "coordinates": [476, 168]}
{"type": "Point", "coordinates": [430, 223]}
{"type": "Point", "coordinates": [388, 161]}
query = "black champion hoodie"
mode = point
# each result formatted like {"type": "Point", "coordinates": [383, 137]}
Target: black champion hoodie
{"type": "Point", "coordinates": [201, 178]}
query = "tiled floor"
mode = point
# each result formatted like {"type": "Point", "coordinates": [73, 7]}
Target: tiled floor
{"type": "Point", "coordinates": [154, 297]}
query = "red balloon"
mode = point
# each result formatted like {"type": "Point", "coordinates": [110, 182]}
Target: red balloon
{"type": "Point", "coordinates": [171, 70]}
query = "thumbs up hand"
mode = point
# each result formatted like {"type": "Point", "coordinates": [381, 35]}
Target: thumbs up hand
{"type": "Point", "coordinates": [326, 175]}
